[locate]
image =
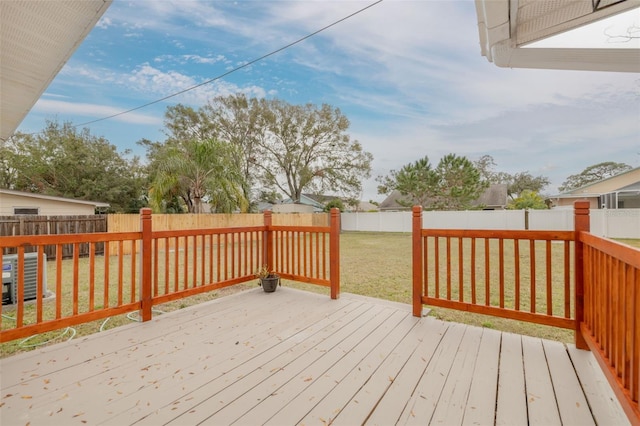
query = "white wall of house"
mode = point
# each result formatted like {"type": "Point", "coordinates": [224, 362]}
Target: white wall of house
{"type": "Point", "coordinates": [292, 208]}
{"type": "Point", "coordinates": [623, 223]}
{"type": "Point", "coordinates": [45, 207]}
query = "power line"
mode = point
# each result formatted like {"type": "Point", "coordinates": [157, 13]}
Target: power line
{"type": "Point", "coordinates": [300, 40]}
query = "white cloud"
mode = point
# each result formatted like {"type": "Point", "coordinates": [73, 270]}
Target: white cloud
{"type": "Point", "coordinates": [104, 23]}
{"type": "Point", "coordinates": [92, 110]}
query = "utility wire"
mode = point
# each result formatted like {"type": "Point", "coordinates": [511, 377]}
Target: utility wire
{"type": "Point", "coordinates": [300, 40]}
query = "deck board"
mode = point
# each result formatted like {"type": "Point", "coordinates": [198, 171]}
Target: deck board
{"type": "Point", "coordinates": [511, 408]}
{"type": "Point", "coordinates": [541, 400]}
{"type": "Point", "coordinates": [481, 402]}
{"type": "Point", "coordinates": [293, 357]}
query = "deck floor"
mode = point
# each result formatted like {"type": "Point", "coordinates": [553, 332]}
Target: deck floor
{"type": "Point", "coordinates": [293, 357]}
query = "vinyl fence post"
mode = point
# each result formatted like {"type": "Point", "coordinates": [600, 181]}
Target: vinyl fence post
{"type": "Point", "coordinates": [417, 260]}
{"type": "Point", "coordinates": [581, 224]}
{"type": "Point", "coordinates": [145, 267]}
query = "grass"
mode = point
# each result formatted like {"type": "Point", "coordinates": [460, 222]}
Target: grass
{"type": "Point", "coordinates": [379, 265]}
{"type": "Point", "coordinates": [633, 242]}
{"type": "Point", "coordinates": [372, 264]}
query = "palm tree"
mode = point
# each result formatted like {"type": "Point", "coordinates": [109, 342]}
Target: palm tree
{"type": "Point", "coordinates": [198, 171]}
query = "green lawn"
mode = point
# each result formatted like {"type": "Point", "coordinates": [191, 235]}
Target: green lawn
{"type": "Point", "coordinates": [372, 264]}
{"type": "Point", "coordinates": [379, 265]}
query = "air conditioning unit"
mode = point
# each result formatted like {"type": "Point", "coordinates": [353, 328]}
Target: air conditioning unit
{"type": "Point", "coordinates": [10, 274]}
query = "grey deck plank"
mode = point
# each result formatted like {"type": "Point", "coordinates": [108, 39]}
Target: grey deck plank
{"type": "Point", "coordinates": [292, 403]}
{"type": "Point", "coordinates": [511, 408]}
{"type": "Point", "coordinates": [541, 399]}
{"type": "Point", "coordinates": [297, 357]}
{"type": "Point", "coordinates": [453, 400]}
{"type": "Point", "coordinates": [480, 408]}
{"type": "Point", "coordinates": [422, 377]}
{"type": "Point", "coordinates": [420, 343]}
{"type": "Point", "coordinates": [294, 378]}
{"type": "Point", "coordinates": [604, 405]}
{"type": "Point", "coordinates": [226, 388]}
{"type": "Point", "coordinates": [119, 373]}
{"type": "Point", "coordinates": [572, 403]}
{"type": "Point", "coordinates": [428, 390]}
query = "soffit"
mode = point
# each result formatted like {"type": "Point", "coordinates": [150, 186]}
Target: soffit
{"type": "Point", "coordinates": [506, 26]}
{"type": "Point", "coordinates": [36, 39]}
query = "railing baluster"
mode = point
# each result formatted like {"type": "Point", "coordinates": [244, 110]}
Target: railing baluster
{"type": "Point", "coordinates": [473, 270]}
{"type": "Point", "coordinates": [516, 262]}
{"type": "Point", "coordinates": [532, 268]}
{"type": "Point", "coordinates": [460, 271]}
{"type": "Point", "coordinates": [549, 279]}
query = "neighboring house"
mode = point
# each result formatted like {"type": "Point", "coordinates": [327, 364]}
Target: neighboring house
{"type": "Point", "coordinates": [493, 198]}
{"type": "Point", "coordinates": [27, 203]}
{"type": "Point", "coordinates": [309, 200]}
{"type": "Point", "coordinates": [618, 192]}
{"type": "Point", "coordinates": [318, 202]}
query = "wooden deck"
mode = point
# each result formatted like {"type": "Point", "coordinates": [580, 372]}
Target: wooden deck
{"type": "Point", "coordinates": [294, 357]}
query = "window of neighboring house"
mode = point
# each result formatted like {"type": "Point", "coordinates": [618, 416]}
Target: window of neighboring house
{"type": "Point", "coordinates": [25, 210]}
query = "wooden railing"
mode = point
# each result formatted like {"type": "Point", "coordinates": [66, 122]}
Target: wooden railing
{"type": "Point", "coordinates": [565, 279]}
{"type": "Point", "coordinates": [522, 275]}
{"type": "Point", "coordinates": [150, 268]}
{"type": "Point", "coordinates": [610, 323]}
{"type": "Point", "coordinates": [288, 251]}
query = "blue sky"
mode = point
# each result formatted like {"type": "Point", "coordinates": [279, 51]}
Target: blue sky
{"type": "Point", "coordinates": [407, 74]}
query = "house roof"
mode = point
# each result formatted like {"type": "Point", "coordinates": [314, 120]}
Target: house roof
{"type": "Point", "coordinates": [506, 26]}
{"type": "Point", "coordinates": [629, 180]}
{"type": "Point", "coordinates": [37, 38]}
{"type": "Point", "coordinates": [96, 204]}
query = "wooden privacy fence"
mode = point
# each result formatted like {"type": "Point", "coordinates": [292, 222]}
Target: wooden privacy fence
{"type": "Point", "coordinates": [52, 225]}
{"type": "Point", "coordinates": [142, 273]}
{"type": "Point", "coordinates": [181, 222]}
{"type": "Point", "coordinates": [569, 279]}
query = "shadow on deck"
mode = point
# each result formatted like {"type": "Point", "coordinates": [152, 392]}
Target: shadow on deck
{"type": "Point", "coordinates": [295, 357]}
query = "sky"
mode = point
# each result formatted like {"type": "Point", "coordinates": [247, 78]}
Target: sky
{"type": "Point", "coordinates": [407, 74]}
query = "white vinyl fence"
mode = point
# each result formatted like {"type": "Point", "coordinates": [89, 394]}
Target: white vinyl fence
{"type": "Point", "coordinates": [622, 223]}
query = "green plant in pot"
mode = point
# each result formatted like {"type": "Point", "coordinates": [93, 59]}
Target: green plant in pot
{"type": "Point", "coordinates": [268, 279]}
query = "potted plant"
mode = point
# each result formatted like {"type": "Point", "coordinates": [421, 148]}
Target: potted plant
{"type": "Point", "coordinates": [268, 279]}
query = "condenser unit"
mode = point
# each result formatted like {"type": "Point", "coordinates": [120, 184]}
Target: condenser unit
{"type": "Point", "coordinates": [11, 272]}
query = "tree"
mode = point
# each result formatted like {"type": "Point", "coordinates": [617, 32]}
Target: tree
{"type": "Point", "coordinates": [64, 161]}
{"type": "Point", "coordinates": [198, 171]}
{"type": "Point", "coordinates": [236, 120]}
{"type": "Point", "coordinates": [280, 147]}
{"type": "Point", "coordinates": [453, 185]}
{"type": "Point", "coordinates": [592, 174]}
{"type": "Point", "coordinates": [525, 181]}
{"type": "Point", "coordinates": [459, 183]}
{"type": "Point", "coordinates": [417, 182]}
{"type": "Point", "coordinates": [527, 200]}
{"type": "Point", "coordinates": [516, 183]}
{"type": "Point", "coordinates": [336, 202]}
{"type": "Point", "coordinates": [306, 148]}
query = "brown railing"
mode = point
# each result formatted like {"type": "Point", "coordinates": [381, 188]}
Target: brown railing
{"type": "Point", "coordinates": [522, 275]}
{"type": "Point", "coordinates": [566, 279]}
{"type": "Point", "coordinates": [289, 250]}
{"type": "Point", "coordinates": [611, 315]}
{"type": "Point", "coordinates": [149, 268]}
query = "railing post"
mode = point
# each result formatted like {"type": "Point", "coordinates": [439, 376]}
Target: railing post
{"type": "Point", "coordinates": [334, 252]}
{"type": "Point", "coordinates": [267, 241]}
{"type": "Point", "coordinates": [581, 224]}
{"type": "Point", "coordinates": [145, 267]}
{"type": "Point", "coordinates": [417, 260]}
